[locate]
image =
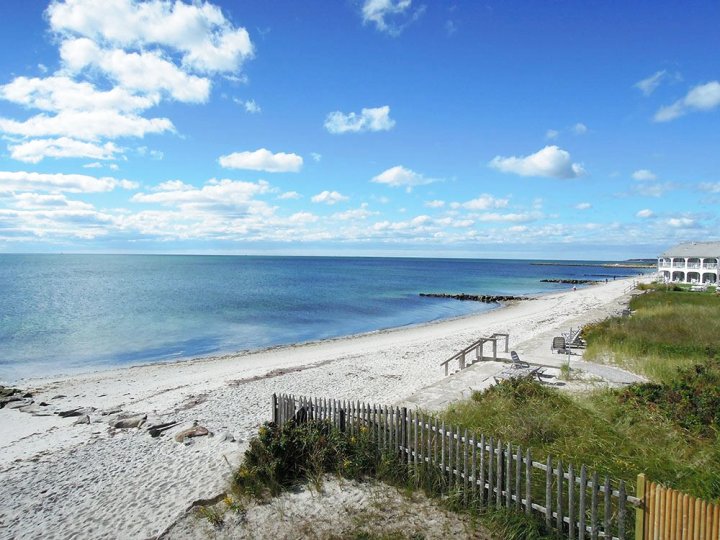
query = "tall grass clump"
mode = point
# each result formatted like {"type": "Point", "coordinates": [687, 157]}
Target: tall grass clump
{"type": "Point", "coordinates": [666, 331]}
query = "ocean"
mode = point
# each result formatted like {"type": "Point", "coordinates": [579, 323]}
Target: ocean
{"type": "Point", "coordinates": [62, 314]}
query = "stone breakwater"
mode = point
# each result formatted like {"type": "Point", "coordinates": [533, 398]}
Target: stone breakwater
{"type": "Point", "coordinates": [570, 281]}
{"type": "Point", "coordinates": [488, 299]}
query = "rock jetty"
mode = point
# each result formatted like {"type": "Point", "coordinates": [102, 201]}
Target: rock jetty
{"type": "Point", "coordinates": [569, 281]}
{"type": "Point", "coordinates": [488, 299]}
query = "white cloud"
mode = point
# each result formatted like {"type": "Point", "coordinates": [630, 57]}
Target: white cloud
{"type": "Point", "coordinates": [654, 189]}
{"type": "Point", "coordinates": [86, 125]}
{"type": "Point", "coordinates": [645, 213]}
{"type": "Point", "coordinates": [710, 187]}
{"type": "Point", "coordinates": [36, 150]}
{"type": "Point", "coordinates": [580, 129]}
{"type": "Point", "coordinates": [435, 204]}
{"type": "Point", "coordinates": [485, 202]}
{"type": "Point", "coordinates": [250, 105]}
{"type": "Point", "coordinates": [551, 161]}
{"type": "Point", "coordinates": [703, 97]}
{"type": "Point", "coordinates": [54, 94]}
{"type": "Point", "coordinates": [355, 214]}
{"type": "Point", "coordinates": [583, 206]}
{"type": "Point", "coordinates": [552, 134]}
{"type": "Point", "coordinates": [681, 222]}
{"type": "Point", "coordinates": [390, 16]}
{"type": "Point", "coordinates": [93, 165]}
{"type": "Point", "coordinates": [303, 218]}
{"type": "Point", "coordinates": [649, 85]}
{"type": "Point", "coordinates": [373, 119]}
{"type": "Point", "coordinates": [399, 176]}
{"type": "Point", "coordinates": [289, 195]}
{"type": "Point", "coordinates": [207, 41]}
{"type": "Point", "coordinates": [507, 218]}
{"type": "Point", "coordinates": [145, 71]}
{"type": "Point", "coordinates": [262, 160]}
{"type": "Point", "coordinates": [644, 174]}
{"type": "Point", "coordinates": [316, 157]}
{"type": "Point", "coordinates": [329, 197]}
{"type": "Point", "coordinates": [13, 181]}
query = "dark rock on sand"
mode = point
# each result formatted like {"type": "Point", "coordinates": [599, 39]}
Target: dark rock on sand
{"type": "Point", "coordinates": [195, 431]}
{"type": "Point", "coordinates": [130, 422]}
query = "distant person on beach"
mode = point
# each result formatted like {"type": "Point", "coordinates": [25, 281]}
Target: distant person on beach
{"type": "Point", "coordinates": [574, 288]}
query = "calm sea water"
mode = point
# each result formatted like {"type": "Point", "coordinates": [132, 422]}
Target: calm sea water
{"type": "Point", "coordinates": [67, 313]}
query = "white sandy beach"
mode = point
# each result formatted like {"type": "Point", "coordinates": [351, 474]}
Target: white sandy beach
{"type": "Point", "coordinates": [59, 479]}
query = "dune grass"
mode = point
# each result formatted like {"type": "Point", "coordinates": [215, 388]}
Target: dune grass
{"type": "Point", "coordinates": [667, 330]}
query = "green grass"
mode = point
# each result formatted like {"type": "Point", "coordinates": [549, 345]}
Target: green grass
{"type": "Point", "coordinates": [667, 330]}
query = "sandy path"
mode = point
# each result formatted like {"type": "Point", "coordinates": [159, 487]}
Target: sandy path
{"type": "Point", "coordinates": [60, 480]}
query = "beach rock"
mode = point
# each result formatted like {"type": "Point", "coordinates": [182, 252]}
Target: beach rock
{"type": "Point", "coordinates": [226, 437]}
{"type": "Point", "coordinates": [129, 422]}
{"type": "Point", "coordinates": [195, 431]}
{"type": "Point", "coordinates": [19, 403]}
{"type": "Point", "coordinates": [85, 419]}
{"type": "Point", "coordinates": [156, 430]}
{"type": "Point", "coordinates": [70, 413]}
{"type": "Point", "coordinates": [486, 298]}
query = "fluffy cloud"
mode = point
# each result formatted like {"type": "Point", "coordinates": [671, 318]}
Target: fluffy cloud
{"type": "Point", "coordinates": [86, 125]}
{"type": "Point", "coordinates": [682, 222]}
{"type": "Point", "coordinates": [485, 202]}
{"type": "Point", "coordinates": [583, 206]}
{"type": "Point", "coordinates": [703, 97]}
{"type": "Point", "coordinates": [645, 213]}
{"type": "Point", "coordinates": [374, 119]}
{"type": "Point", "coordinates": [329, 197]}
{"type": "Point", "coordinates": [649, 85]}
{"type": "Point", "coordinates": [710, 187]}
{"type": "Point", "coordinates": [36, 150]}
{"type": "Point", "coordinates": [552, 134]}
{"type": "Point", "coordinates": [250, 106]}
{"type": "Point", "coordinates": [580, 129]}
{"type": "Point", "coordinates": [399, 176]}
{"type": "Point", "coordinates": [435, 204]}
{"type": "Point", "coordinates": [262, 160]}
{"type": "Point", "coordinates": [289, 195]}
{"type": "Point", "coordinates": [355, 214]}
{"type": "Point", "coordinates": [551, 161]}
{"type": "Point", "coordinates": [390, 16]}
{"type": "Point", "coordinates": [12, 181]}
{"type": "Point", "coordinates": [644, 174]}
{"type": "Point", "coordinates": [145, 72]}
{"type": "Point", "coordinates": [207, 41]}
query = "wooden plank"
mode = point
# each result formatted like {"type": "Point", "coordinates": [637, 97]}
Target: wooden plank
{"type": "Point", "coordinates": [450, 457]}
{"type": "Point", "coordinates": [716, 522]}
{"type": "Point", "coordinates": [490, 460]}
{"type": "Point", "coordinates": [474, 468]}
{"type": "Point", "coordinates": [548, 492]}
{"type": "Point", "coordinates": [622, 505]}
{"type": "Point", "coordinates": [640, 509]}
{"type": "Point", "coordinates": [435, 443]}
{"type": "Point", "coordinates": [416, 457]}
{"type": "Point", "coordinates": [559, 524]}
{"type": "Point", "coordinates": [528, 481]}
{"type": "Point", "coordinates": [499, 474]}
{"type": "Point", "coordinates": [518, 475]}
{"type": "Point", "coordinates": [594, 508]}
{"type": "Point", "coordinates": [581, 503]}
{"type": "Point", "coordinates": [508, 475]}
{"type": "Point", "coordinates": [483, 494]}
{"type": "Point", "coordinates": [458, 460]}
{"type": "Point", "coordinates": [571, 502]}
{"type": "Point", "coordinates": [466, 480]}
{"type": "Point", "coordinates": [442, 451]}
{"type": "Point", "coordinates": [607, 530]}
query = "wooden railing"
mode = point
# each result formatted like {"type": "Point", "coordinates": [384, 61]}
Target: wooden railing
{"type": "Point", "coordinates": [477, 346]}
{"type": "Point", "coordinates": [480, 470]}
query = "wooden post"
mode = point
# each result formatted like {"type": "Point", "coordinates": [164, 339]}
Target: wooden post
{"type": "Point", "coordinates": [561, 477]}
{"type": "Point", "coordinates": [548, 492]}
{"type": "Point", "coordinates": [581, 508]}
{"type": "Point", "coordinates": [483, 496]}
{"type": "Point", "coordinates": [458, 459]}
{"type": "Point", "coordinates": [491, 486]}
{"type": "Point", "coordinates": [528, 482]}
{"type": "Point", "coordinates": [274, 409]}
{"type": "Point", "coordinates": [465, 469]}
{"type": "Point", "coordinates": [508, 476]}
{"type": "Point", "coordinates": [474, 468]}
{"type": "Point", "coordinates": [442, 451]}
{"type": "Point", "coordinates": [404, 433]}
{"type": "Point", "coordinates": [622, 498]}
{"type": "Point", "coordinates": [640, 508]}
{"type": "Point", "coordinates": [594, 508]}
{"type": "Point", "coordinates": [499, 475]}
{"type": "Point", "coordinates": [518, 474]}
{"type": "Point", "coordinates": [606, 505]}
{"type": "Point", "coordinates": [571, 501]}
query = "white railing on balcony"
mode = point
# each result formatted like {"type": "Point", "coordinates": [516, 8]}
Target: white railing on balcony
{"type": "Point", "coordinates": [693, 265]}
{"type": "Point", "coordinates": [710, 266]}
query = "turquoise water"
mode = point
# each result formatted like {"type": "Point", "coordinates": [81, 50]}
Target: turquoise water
{"type": "Point", "coordinates": [66, 313]}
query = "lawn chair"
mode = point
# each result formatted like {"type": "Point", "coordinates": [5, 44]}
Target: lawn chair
{"type": "Point", "coordinates": [558, 344]}
{"type": "Point", "coordinates": [516, 362]}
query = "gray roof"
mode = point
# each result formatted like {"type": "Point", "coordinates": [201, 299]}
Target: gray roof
{"type": "Point", "coordinates": [694, 249]}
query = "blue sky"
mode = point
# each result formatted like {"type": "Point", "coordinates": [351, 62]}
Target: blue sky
{"type": "Point", "coordinates": [371, 127]}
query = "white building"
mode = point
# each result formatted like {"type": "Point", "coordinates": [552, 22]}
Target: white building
{"type": "Point", "coordinates": [694, 262]}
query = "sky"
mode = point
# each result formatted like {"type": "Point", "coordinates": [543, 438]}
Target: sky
{"type": "Point", "coordinates": [504, 129]}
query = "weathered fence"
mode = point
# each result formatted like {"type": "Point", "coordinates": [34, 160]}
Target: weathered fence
{"type": "Point", "coordinates": [670, 515]}
{"type": "Point", "coordinates": [477, 346]}
{"type": "Point", "coordinates": [482, 470]}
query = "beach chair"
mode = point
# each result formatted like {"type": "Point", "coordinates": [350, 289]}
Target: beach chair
{"type": "Point", "coordinates": [573, 340]}
{"type": "Point", "coordinates": [516, 362]}
{"type": "Point", "coordinates": [558, 344]}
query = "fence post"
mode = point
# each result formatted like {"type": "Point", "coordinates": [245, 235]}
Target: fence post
{"type": "Point", "coordinates": [274, 409]}
{"type": "Point", "coordinates": [640, 509]}
{"type": "Point", "coordinates": [404, 435]}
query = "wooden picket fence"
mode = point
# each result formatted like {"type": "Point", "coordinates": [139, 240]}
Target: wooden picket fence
{"type": "Point", "coordinates": [671, 515]}
{"type": "Point", "coordinates": [479, 469]}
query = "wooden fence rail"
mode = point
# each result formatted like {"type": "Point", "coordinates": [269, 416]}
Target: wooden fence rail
{"type": "Point", "coordinates": [477, 346]}
{"type": "Point", "coordinates": [481, 470]}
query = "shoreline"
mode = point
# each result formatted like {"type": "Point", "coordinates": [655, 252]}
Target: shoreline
{"type": "Point", "coordinates": [60, 478]}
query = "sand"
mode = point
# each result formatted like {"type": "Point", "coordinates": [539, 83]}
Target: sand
{"type": "Point", "coordinates": [60, 479]}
